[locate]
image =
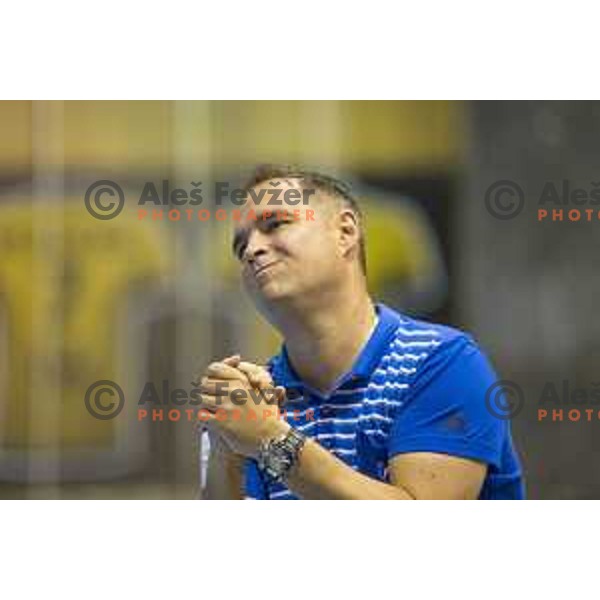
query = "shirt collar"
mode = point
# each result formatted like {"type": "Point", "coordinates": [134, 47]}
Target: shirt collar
{"type": "Point", "coordinates": [377, 345]}
{"type": "Point", "coordinates": [364, 365]}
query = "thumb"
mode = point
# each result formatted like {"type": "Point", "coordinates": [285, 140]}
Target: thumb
{"type": "Point", "coordinates": [232, 360]}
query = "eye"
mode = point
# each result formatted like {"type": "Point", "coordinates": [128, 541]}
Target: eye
{"type": "Point", "coordinates": [240, 252]}
{"type": "Point", "coordinates": [274, 224]}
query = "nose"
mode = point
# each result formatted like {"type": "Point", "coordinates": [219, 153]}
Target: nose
{"type": "Point", "coordinates": [256, 246]}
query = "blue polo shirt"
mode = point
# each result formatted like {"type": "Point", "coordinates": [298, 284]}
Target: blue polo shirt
{"type": "Point", "coordinates": [415, 387]}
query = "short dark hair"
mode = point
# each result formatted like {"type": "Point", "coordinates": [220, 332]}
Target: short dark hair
{"type": "Point", "coordinates": [315, 179]}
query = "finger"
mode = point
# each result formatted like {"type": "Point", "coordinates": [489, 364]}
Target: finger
{"type": "Point", "coordinates": [277, 396]}
{"type": "Point", "coordinates": [257, 375]}
{"type": "Point", "coordinates": [219, 387]}
{"type": "Point", "coordinates": [225, 381]}
{"type": "Point", "coordinates": [220, 370]}
{"type": "Point", "coordinates": [209, 402]}
{"type": "Point", "coordinates": [232, 361]}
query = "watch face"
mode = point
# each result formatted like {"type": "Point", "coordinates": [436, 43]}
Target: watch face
{"type": "Point", "coordinates": [277, 457]}
{"type": "Point", "coordinates": [277, 463]}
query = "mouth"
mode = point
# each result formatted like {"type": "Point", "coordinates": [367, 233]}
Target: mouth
{"type": "Point", "coordinates": [264, 268]}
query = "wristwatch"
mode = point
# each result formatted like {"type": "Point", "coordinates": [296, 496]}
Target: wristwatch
{"type": "Point", "coordinates": [277, 456]}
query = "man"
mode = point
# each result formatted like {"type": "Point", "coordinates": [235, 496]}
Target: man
{"type": "Point", "coordinates": [377, 405]}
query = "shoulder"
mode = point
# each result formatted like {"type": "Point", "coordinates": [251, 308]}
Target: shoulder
{"type": "Point", "coordinates": [427, 339]}
{"type": "Point", "coordinates": [410, 328]}
{"type": "Point", "coordinates": [422, 350]}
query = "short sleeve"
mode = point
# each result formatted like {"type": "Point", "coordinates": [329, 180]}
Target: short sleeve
{"type": "Point", "coordinates": [446, 409]}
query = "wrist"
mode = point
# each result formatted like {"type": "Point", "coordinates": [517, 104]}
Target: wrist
{"type": "Point", "coordinates": [222, 452]}
{"type": "Point", "coordinates": [276, 430]}
{"type": "Point", "coordinates": [278, 456]}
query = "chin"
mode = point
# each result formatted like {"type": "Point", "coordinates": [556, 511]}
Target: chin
{"type": "Point", "coordinates": [271, 293]}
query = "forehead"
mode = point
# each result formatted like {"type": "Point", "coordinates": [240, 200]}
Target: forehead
{"type": "Point", "coordinates": [278, 198]}
{"type": "Point", "coordinates": [276, 193]}
{"type": "Point", "coordinates": [286, 193]}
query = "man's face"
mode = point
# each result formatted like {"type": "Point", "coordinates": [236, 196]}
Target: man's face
{"type": "Point", "coordinates": [292, 251]}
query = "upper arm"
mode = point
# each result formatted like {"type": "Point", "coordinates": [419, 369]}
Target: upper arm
{"type": "Point", "coordinates": [444, 438]}
{"type": "Point", "coordinates": [428, 475]}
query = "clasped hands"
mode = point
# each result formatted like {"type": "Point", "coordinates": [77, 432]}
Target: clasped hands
{"type": "Point", "coordinates": [241, 405]}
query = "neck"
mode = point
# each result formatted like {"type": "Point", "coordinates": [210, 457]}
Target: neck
{"type": "Point", "coordinates": [324, 342]}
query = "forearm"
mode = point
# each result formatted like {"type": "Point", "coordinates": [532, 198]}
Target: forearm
{"type": "Point", "coordinates": [224, 480]}
{"type": "Point", "coordinates": [320, 475]}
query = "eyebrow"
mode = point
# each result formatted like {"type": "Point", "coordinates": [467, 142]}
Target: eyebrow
{"type": "Point", "coordinates": [241, 235]}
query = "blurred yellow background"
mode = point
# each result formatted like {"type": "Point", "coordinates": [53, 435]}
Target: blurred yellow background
{"type": "Point", "coordinates": [85, 300]}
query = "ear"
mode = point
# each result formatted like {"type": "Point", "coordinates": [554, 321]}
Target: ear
{"type": "Point", "coordinates": [349, 231]}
